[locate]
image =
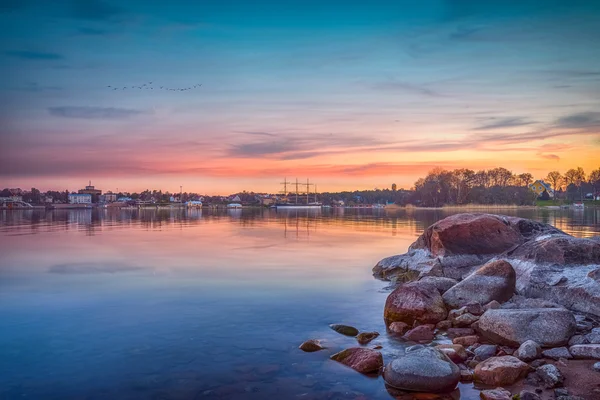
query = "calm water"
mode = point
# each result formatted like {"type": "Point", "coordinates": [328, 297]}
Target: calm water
{"type": "Point", "coordinates": [198, 304]}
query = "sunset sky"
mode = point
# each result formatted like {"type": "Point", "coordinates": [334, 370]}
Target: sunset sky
{"type": "Point", "coordinates": [353, 95]}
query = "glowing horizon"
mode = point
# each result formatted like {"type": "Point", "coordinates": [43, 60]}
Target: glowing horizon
{"type": "Point", "coordinates": [352, 96]}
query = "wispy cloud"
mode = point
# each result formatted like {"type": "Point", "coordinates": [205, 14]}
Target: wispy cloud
{"type": "Point", "coordinates": [94, 112]}
{"type": "Point", "coordinates": [550, 156]}
{"type": "Point", "coordinates": [34, 55]}
{"type": "Point", "coordinates": [504, 123]}
{"type": "Point", "coordinates": [407, 87]}
{"type": "Point", "coordinates": [258, 133]}
{"type": "Point", "coordinates": [579, 120]}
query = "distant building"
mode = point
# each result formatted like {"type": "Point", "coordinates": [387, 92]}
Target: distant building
{"type": "Point", "coordinates": [90, 190]}
{"type": "Point", "coordinates": [236, 199]}
{"type": "Point", "coordinates": [80, 198]}
{"type": "Point", "coordinates": [124, 199]}
{"type": "Point", "coordinates": [107, 197]}
{"type": "Point", "coordinates": [266, 201]}
{"type": "Point", "coordinates": [539, 186]}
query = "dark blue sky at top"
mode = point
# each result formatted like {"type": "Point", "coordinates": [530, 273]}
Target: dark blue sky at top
{"type": "Point", "coordinates": [290, 69]}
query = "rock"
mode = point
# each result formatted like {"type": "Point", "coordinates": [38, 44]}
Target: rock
{"type": "Point", "coordinates": [528, 351]}
{"type": "Point", "coordinates": [596, 367]}
{"type": "Point", "coordinates": [570, 398]}
{"type": "Point", "coordinates": [538, 363]}
{"type": "Point", "coordinates": [557, 353]}
{"type": "Point", "coordinates": [485, 351]}
{"type": "Point", "coordinates": [527, 395]}
{"type": "Point", "coordinates": [475, 308]}
{"type": "Point", "coordinates": [495, 394]}
{"type": "Point", "coordinates": [399, 327]}
{"type": "Point", "coordinates": [464, 320]}
{"type": "Point", "coordinates": [455, 352]}
{"type": "Point", "coordinates": [443, 325]}
{"type": "Point", "coordinates": [500, 371]}
{"type": "Point", "coordinates": [584, 326]}
{"type": "Point", "coordinates": [492, 305]}
{"type": "Point", "coordinates": [360, 359]}
{"type": "Point", "coordinates": [414, 302]}
{"type": "Point", "coordinates": [408, 267]}
{"type": "Point", "coordinates": [494, 281]}
{"type": "Point", "coordinates": [560, 392]}
{"type": "Point", "coordinates": [577, 339]}
{"type": "Point", "coordinates": [440, 283]}
{"type": "Point", "coordinates": [550, 376]}
{"type": "Point", "coordinates": [377, 347]}
{"type": "Point", "coordinates": [594, 336]}
{"type": "Point", "coordinates": [589, 351]}
{"type": "Point", "coordinates": [366, 337]}
{"type": "Point", "coordinates": [344, 329]}
{"type": "Point", "coordinates": [420, 333]}
{"type": "Point", "coordinates": [466, 340]}
{"type": "Point", "coordinates": [472, 363]}
{"type": "Point", "coordinates": [559, 249]}
{"type": "Point", "coordinates": [457, 332]}
{"type": "Point", "coordinates": [466, 375]}
{"type": "Point", "coordinates": [311, 345]}
{"type": "Point", "coordinates": [422, 370]}
{"type": "Point", "coordinates": [549, 327]}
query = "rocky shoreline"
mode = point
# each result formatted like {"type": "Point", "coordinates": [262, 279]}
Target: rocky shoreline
{"type": "Point", "coordinates": [509, 304]}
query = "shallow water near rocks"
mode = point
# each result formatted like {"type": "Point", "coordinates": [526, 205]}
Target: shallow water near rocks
{"type": "Point", "coordinates": [196, 304]}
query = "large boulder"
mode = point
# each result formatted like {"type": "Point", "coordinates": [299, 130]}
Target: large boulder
{"type": "Point", "coordinates": [422, 370]}
{"type": "Point", "coordinates": [360, 359]}
{"type": "Point", "coordinates": [494, 281]}
{"type": "Point", "coordinates": [549, 327]}
{"type": "Point", "coordinates": [414, 302]}
{"type": "Point", "coordinates": [500, 371]}
{"type": "Point", "coordinates": [586, 351]}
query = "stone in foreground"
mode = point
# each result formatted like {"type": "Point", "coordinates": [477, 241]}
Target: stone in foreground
{"type": "Point", "coordinates": [549, 327]}
{"type": "Point", "coordinates": [423, 370]}
{"type": "Point", "coordinates": [550, 375]}
{"type": "Point", "coordinates": [494, 281]}
{"type": "Point", "coordinates": [586, 351]}
{"type": "Point", "coordinates": [500, 371]}
{"type": "Point", "coordinates": [557, 353]}
{"type": "Point", "coordinates": [528, 351]}
{"type": "Point", "coordinates": [415, 302]}
{"type": "Point", "coordinates": [360, 359]}
{"type": "Point", "coordinates": [366, 337]}
{"type": "Point", "coordinates": [311, 345]}
{"type": "Point", "coordinates": [495, 394]}
{"type": "Point", "coordinates": [420, 333]}
{"type": "Point", "coordinates": [455, 352]}
{"type": "Point", "coordinates": [344, 329]}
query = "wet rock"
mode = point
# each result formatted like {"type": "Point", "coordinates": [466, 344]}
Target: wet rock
{"type": "Point", "coordinates": [399, 327]}
{"type": "Point", "coordinates": [408, 267]}
{"type": "Point", "coordinates": [366, 337]}
{"type": "Point", "coordinates": [457, 332]}
{"type": "Point", "coordinates": [311, 345]}
{"type": "Point", "coordinates": [414, 347]}
{"type": "Point", "coordinates": [527, 395]}
{"type": "Point", "coordinates": [344, 329]}
{"type": "Point", "coordinates": [596, 367]}
{"type": "Point", "coordinates": [494, 281]}
{"type": "Point", "coordinates": [577, 339]}
{"type": "Point", "coordinates": [550, 376]}
{"type": "Point", "coordinates": [500, 371]}
{"type": "Point", "coordinates": [557, 353]}
{"type": "Point", "coordinates": [584, 326]}
{"type": "Point", "coordinates": [420, 333]}
{"type": "Point", "coordinates": [492, 305]}
{"type": "Point", "coordinates": [466, 375]}
{"type": "Point", "coordinates": [377, 347]}
{"type": "Point", "coordinates": [485, 351]}
{"type": "Point", "coordinates": [570, 398]}
{"type": "Point", "coordinates": [495, 394]}
{"type": "Point", "coordinates": [472, 363]}
{"type": "Point", "coordinates": [560, 392]}
{"type": "Point", "coordinates": [594, 336]}
{"type": "Point", "coordinates": [464, 320]}
{"type": "Point", "coordinates": [586, 351]}
{"type": "Point", "coordinates": [443, 325]}
{"type": "Point", "coordinates": [422, 370]}
{"type": "Point", "coordinates": [455, 352]}
{"type": "Point", "coordinates": [466, 340]}
{"type": "Point", "coordinates": [559, 249]}
{"type": "Point", "coordinates": [360, 359]}
{"type": "Point", "coordinates": [548, 327]}
{"type": "Point", "coordinates": [528, 351]}
{"type": "Point", "coordinates": [414, 302]}
{"type": "Point", "coordinates": [440, 283]}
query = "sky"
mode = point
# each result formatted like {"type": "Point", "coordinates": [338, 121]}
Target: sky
{"type": "Point", "coordinates": [353, 95]}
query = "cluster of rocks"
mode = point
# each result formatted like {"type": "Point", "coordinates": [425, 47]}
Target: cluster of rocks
{"type": "Point", "coordinates": [511, 299]}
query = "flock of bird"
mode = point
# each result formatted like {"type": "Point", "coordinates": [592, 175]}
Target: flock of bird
{"type": "Point", "coordinates": [148, 86]}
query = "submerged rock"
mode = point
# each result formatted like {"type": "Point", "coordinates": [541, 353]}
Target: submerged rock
{"type": "Point", "coordinates": [361, 359]}
{"type": "Point", "coordinates": [344, 329]}
{"type": "Point", "coordinates": [549, 327]}
{"type": "Point", "coordinates": [420, 333]}
{"type": "Point", "coordinates": [422, 370]}
{"type": "Point", "coordinates": [494, 281]}
{"type": "Point", "coordinates": [414, 302]}
{"type": "Point", "coordinates": [366, 337]}
{"type": "Point", "coordinates": [500, 371]}
{"type": "Point", "coordinates": [311, 345]}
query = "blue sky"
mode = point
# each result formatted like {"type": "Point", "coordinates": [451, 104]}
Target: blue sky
{"type": "Point", "coordinates": [351, 94]}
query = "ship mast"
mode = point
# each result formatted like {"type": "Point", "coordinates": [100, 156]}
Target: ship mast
{"type": "Point", "coordinates": [296, 190]}
{"type": "Point", "coordinates": [284, 183]}
{"type": "Point", "coordinates": [307, 191]}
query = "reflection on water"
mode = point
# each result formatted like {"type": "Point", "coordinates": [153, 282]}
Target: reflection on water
{"type": "Point", "coordinates": [184, 304]}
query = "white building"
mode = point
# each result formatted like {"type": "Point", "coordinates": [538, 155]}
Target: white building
{"type": "Point", "coordinates": [80, 198]}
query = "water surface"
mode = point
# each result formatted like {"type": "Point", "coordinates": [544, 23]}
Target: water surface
{"type": "Point", "coordinates": [175, 304]}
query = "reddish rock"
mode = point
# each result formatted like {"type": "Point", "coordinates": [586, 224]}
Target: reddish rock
{"type": "Point", "coordinates": [500, 371]}
{"type": "Point", "coordinates": [360, 359]}
{"type": "Point", "coordinates": [466, 340]}
{"type": "Point", "coordinates": [311, 345]}
{"type": "Point", "coordinates": [464, 320]}
{"type": "Point", "coordinates": [366, 337]}
{"type": "Point", "coordinates": [466, 375]}
{"type": "Point", "coordinates": [399, 327]}
{"type": "Point", "coordinates": [457, 332]}
{"type": "Point", "coordinates": [455, 352]}
{"type": "Point", "coordinates": [492, 305]}
{"type": "Point", "coordinates": [420, 333]}
{"type": "Point", "coordinates": [559, 249]}
{"type": "Point", "coordinates": [443, 325]}
{"type": "Point", "coordinates": [495, 394]}
{"type": "Point", "coordinates": [414, 302]}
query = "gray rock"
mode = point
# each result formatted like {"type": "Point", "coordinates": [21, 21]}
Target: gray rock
{"type": "Point", "coordinates": [538, 363]}
{"type": "Point", "coordinates": [560, 392]}
{"type": "Point", "coordinates": [495, 394]}
{"type": "Point", "coordinates": [527, 395]}
{"type": "Point", "coordinates": [550, 376]}
{"type": "Point", "coordinates": [439, 282]}
{"type": "Point", "coordinates": [594, 336]}
{"type": "Point", "coordinates": [557, 353]}
{"type": "Point", "coordinates": [344, 329]}
{"type": "Point", "coordinates": [464, 320]}
{"type": "Point", "coordinates": [528, 351]}
{"type": "Point", "coordinates": [408, 267]}
{"type": "Point", "coordinates": [577, 339]}
{"type": "Point", "coordinates": [485, 351]}
{"type": "Point", "coordinates": [586, 351]}
{"type": "Point", "coordinates": [492, 305]}
{"type": "Point", "coordinates": [548, 327]}
{"type": "Point", "coordinates": [596, 367]}
{"type": "Point", "coordinates": [494, 281]}
{"type": "Point", "coordinates": [422, 370]}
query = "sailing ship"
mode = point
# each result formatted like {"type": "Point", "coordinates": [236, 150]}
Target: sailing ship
{"type": "Point", "coordinates": [301, 200]}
